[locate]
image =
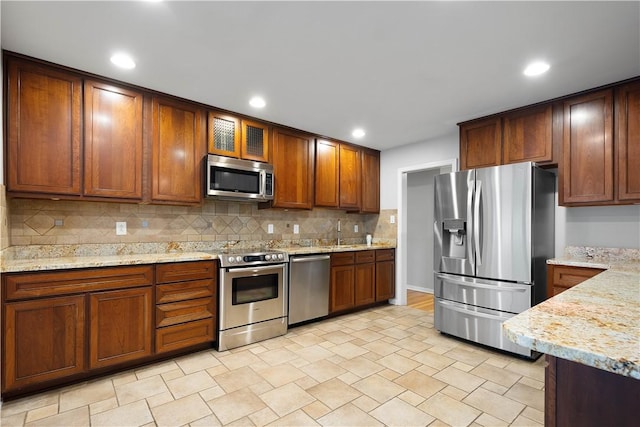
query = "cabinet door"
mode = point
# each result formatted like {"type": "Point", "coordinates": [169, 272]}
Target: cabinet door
{"type": "Point", "coordinates": [293, 166]}
{"type": "Point", "coordinates": [480, 144]}
{"type": "Point", "coordinates": [43, 340]}
{"type": "Point", "coordinates": [350, 179]}
{"type": "Point", "coordinates": [178, 150]}
{"type": "Point", "coordinates": [628, 142]}
{"type": "Point", "coordinates": [44, 115]}
{"type": "Point", "coordinates": [370, 181]}
{"type": "Point", "coordinates": [255, 141]}
{"type": "Point", "coordinates": [113, 141]}
{"type": "Point", "coordinates": [527, 135]}
{"type": "Point", "coordinates": [586, 172]}
{"type": "Point", "coordinates": [385, 280]}
{"type": "Point", "coordinates": [562, 277]}
{"type": "Point", "coordinates": [223, 135]}
{"type": "Point", "coordinates": [327, 170]}
{"type": "Point", "coordinates": [120, 326]}
{"type": "Point", "coordinates": [365, 285]}
{"type": "Point", "coordinates": [342, 288]}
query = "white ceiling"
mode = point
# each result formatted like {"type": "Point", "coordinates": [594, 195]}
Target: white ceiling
{"type": "Point", "coordinates": [405, 71]}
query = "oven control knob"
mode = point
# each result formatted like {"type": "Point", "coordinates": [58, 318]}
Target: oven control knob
{"type": "Point", "coordinates": [239, 258]}
{"type": "Point", "coordinates": [267, 257]}
{"type": "Point", "coordinates": [231, 259]}
{"type": "Point", "coordinates": [280, 256]}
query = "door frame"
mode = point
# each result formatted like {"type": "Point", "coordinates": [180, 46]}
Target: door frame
{"type": "Point", "coordinates": [401, 245]}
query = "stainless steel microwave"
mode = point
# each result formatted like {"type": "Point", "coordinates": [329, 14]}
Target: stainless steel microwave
{"type": "Point", "coordinates": [236, 179]}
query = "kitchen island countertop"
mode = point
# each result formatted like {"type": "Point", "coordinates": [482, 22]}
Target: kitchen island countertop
{"type": "Point", "coordinates": [595, 323]}
{"type": "Point", "coordinates": [23, 263]}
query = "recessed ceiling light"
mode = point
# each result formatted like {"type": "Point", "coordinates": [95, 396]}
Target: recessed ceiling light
{"type": "Point", "coordinates": [358, 133]}
{"type": "Point", "coordinates": [123, 60]}
{"type": "Point", "coordinates": [257, 102]}
{"type": "Point", "coordinates": [536, 68]}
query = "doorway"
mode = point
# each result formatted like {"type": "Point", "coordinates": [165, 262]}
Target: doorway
{"type": "Point", "coordinates": [415, 227]}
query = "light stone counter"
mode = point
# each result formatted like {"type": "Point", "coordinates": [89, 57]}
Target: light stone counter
{"type": "Point", "coordinates": [65, 258]}
{"type": "Point", "coordinates": [596, 323]}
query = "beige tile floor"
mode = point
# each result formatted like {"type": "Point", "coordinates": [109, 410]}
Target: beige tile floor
{"type": "Point", "coordinates": [384, 366]}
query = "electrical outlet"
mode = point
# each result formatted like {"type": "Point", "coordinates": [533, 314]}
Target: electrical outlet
{"type": "Point", "coordinates": [392, 219]}
{"type": "Point", "coordinates": [355, 228]}
{"type": "Point", "coordinates": [270, 228]}
{"type": "Point", "coordinates": [58, 222]}
{"type": "Point", "coordinates": [145, 223]}
{"type": "Point", "coordinates": [296, 229]}
{"type": "Point", "coordinates": [121, 228]}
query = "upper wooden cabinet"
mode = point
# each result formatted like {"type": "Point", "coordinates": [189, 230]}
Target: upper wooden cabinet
{"type": "Point", "coordinates": [527, 135]}
{"type": "Point", "coordinates": [43, 129]}
{"type": "Point", "coordinates": [350, 176]}
{"type": "Point", "coordinates": [480, 143]}
{"type": "Point", "coordinates": [177, 151]}
{"type": "Point", "coordinates": [113, 141]}
{"type": "Point", "coordinates": [370, 181]}
{"type": "Point", "coordinates": [627, 117]}
{"type": "Point", "coordinates": [233, 137]}
{"type": "Point", "coordinates": [293, 158]}
{"type": "Point", "coordinates": [327, 184]}
{"type": "Point", "coordinates": [586, 171]}
{"type": "Point", "coordinates": [338, 179]}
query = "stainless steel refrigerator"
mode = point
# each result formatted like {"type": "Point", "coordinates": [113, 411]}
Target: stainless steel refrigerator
{"type": "Point", "coordinates": [494, 230]}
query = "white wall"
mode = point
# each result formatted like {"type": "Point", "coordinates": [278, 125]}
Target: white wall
{"type": "Point", "coordinates": [434, 150]}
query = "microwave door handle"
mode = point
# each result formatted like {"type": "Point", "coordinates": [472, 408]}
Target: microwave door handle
{"type": "Point", "coordinates": [263, 183]}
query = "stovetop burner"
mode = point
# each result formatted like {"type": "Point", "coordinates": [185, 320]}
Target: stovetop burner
{"type": "Point", "coordinates": [247, 257]}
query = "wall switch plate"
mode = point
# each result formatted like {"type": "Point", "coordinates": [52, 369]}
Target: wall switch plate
{"type": "Point", "coordinates": [270, 228]}
{"type": "Point", "coordinates": [296, 229]}
{"type": "Point", "coordinates": [392, 219]}
{"type": "Point", "coordinates": [355, 228]}
{"type": "Point", "coordinates": [121, 228]}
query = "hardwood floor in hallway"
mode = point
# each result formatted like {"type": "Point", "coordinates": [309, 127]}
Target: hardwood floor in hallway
{"type": "Point", "coordinates": [420, 300]}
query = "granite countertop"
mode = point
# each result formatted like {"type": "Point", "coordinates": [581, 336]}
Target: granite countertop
{"type": "Point", "coordinates": [596, 323]}
{"type": "Point", "coordinates": [61, 259]}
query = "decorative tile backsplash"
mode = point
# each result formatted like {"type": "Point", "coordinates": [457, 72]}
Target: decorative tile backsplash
{"type": "Point", "coordinates": [48, 222]}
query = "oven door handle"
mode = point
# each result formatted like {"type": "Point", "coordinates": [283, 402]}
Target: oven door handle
{"type": "Point", "coordinates": [256, 269]}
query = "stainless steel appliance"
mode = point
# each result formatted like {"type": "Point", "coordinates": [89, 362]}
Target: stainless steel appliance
{"type": "Point", "coordinates": [494, 231]}
{"type": "Point", "coordinates": [238, 179]}
{"type": "Point", "coordinates": [253, 297]}
{"type": "Point", "coordinates": [308, 287]}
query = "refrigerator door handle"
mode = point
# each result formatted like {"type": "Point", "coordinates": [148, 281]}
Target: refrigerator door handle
{"type": "Point", "coordinates": [477, 313]}
{"type": "Point", "coordinates": [470, 249]}
{"type": "Point", "coordinates": [477, 226]}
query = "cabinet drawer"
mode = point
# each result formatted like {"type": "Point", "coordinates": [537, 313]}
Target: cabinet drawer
{"type": "Point", "coordinates": [566, 277]}
{"type": "Point", "coordinates": [32, 285]}
{"type": "Point", "coordinates": [385, 254]}
{"type": "Point", "coordinates": [184, 335]}
{"type": "Point", "coordinates": [183, 271]}
{"type": "Point", "coordinates": [342, 258]}
{"type": "Point", "coordinates": [365, 256]}
{"type": "Point", "coordinates": [184, 291]}
{"type": "Point", "coordinates": [184, 311]}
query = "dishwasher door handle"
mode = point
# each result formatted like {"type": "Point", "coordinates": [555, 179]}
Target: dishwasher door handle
{"type": "Point", "coordinates": [310, 258]}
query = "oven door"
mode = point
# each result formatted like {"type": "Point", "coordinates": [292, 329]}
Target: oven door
{"type": "Point", "coordinates": [252, 295]}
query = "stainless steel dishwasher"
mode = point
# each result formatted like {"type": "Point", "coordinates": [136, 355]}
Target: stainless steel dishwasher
{"type": "Point", "coordinates": [308, 287]}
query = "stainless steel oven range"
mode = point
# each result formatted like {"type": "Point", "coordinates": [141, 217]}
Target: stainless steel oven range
{"type": "Point", "coordinates": [253, 297]}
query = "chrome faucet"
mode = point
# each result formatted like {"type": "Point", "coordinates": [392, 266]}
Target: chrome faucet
{"type": "Point", "coordinates": [339, 232]}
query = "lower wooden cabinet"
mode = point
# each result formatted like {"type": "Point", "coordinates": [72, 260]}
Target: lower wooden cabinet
{"type": "Point", "coordinates": [60, 326]}
{"type": "Point", "coordinates": [185, 304]}
{"type": "Point", "coordinates": [562, 277]}
{"type": "Point", "coordinates": [361, 278]}
{"type": "Point", "coordinates": [43, 340]}
{"type": "Point", "coordinates": [385, 274]}
{"type": "Point", "coordinates": [120, 328]}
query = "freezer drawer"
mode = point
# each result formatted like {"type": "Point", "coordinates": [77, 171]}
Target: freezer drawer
{"type": "Point", "coordinates": [494, 294]}
{"type": "Point", "coordinates": [476, 324]}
